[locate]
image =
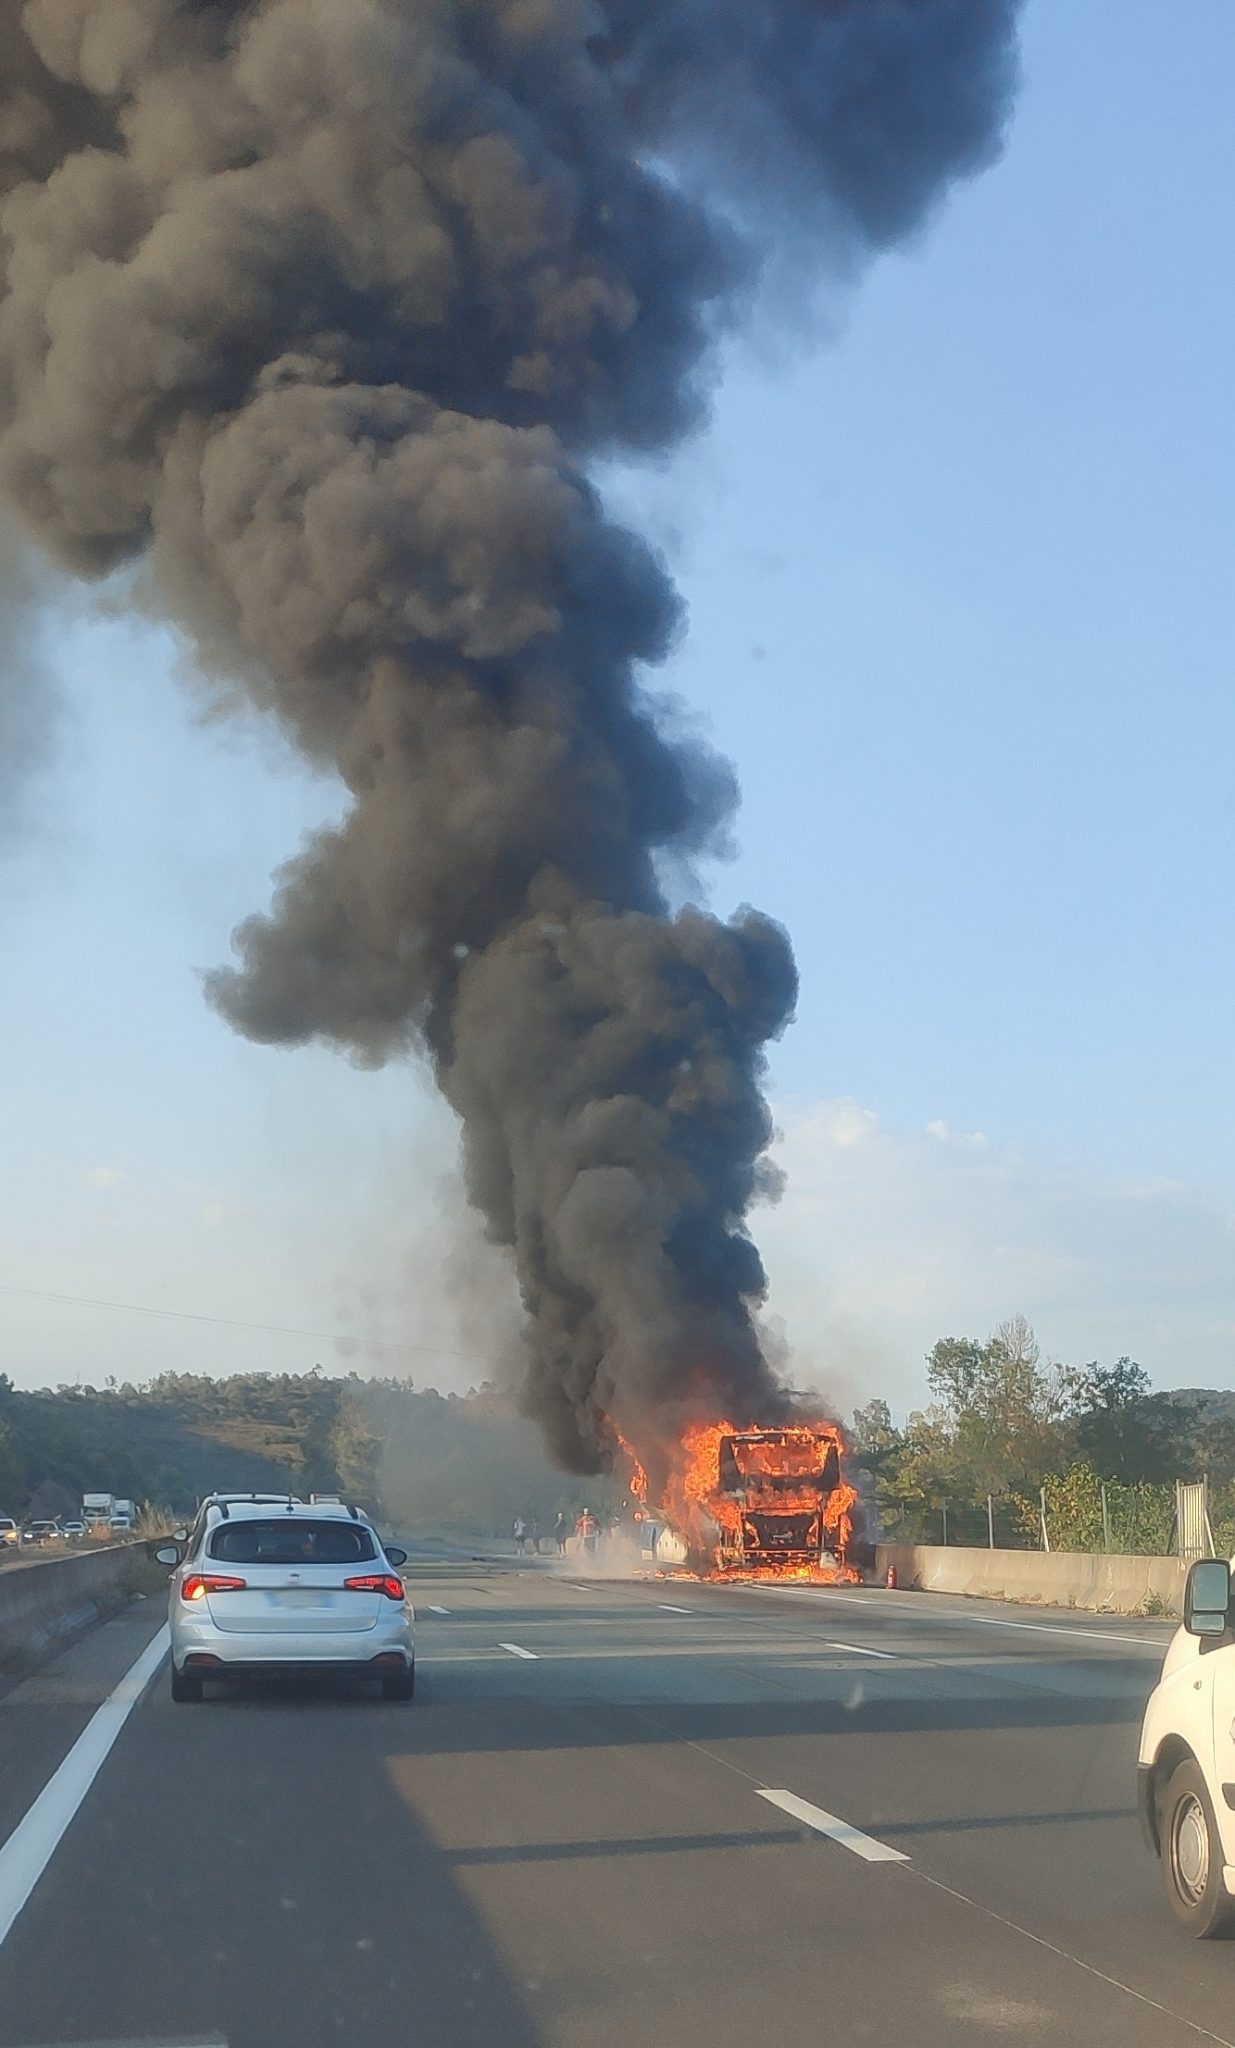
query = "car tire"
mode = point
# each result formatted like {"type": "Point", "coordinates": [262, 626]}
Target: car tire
{"type": "Point", "coordinates": [1191, 1856]}
{"type": "Point", "coordinates": [187, 1687]}
{"type": "Point", "coordinates": [401, 1686]}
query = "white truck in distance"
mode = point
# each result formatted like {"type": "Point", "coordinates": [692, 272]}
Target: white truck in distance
{"type": "Point", "coordinates": [123, 1517]}
{"type": "Point", "coordinates": [97, 1510]}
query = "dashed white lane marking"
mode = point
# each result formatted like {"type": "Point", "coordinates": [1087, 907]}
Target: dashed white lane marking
{"type": "Point", "coordinates": [670, 1609]}
{"type": "Point", "coordinates": [438, 1610]}
{"type": "Point", "coordinates": [835, 1829]}
{"type": "Point", "coordinates": [516, 1650]}
{"type": "Point", "coordinates": [34, 1841]}
{"type": "Point", "coordinates": [815, 1593]}
{"type": "Point", "coordinates": [856, 1650]}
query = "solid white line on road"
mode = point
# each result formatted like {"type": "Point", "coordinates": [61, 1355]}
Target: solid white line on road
{"type": "Point", "coordinates": [919, 1610]}
{"type": "Point", "coordinates": [517, 1651]}
{"type": "Point", "coordinates": [1065, 1955]}
{"type": "Point", "coordinates": [199, 2041]}
{"type": "Point", "coordinates": [856, 1650]}
{"type": "Point", "coordinates": [669, 1609]}
{"type": "Point", "coordinates": [33, 1842]}
{"type": "Point", "coordinates": [1054, 1628]}
{"type": "Point", "coordinates": [836, 1830]}
{"type": "Point", "coordinates": [439, 1610]}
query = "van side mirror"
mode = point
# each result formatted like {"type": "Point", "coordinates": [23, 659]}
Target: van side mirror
{"type": "Point", "coordinates": [395, 1556]}
{"type": "Point", "coordinates": [1207, 1597]}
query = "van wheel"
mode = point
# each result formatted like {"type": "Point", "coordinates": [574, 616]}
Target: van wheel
{"type": "Point", "coordinates": [186, 1686]}
{"type": "Point", "coordinates": [401, 1686]}
{"type": "Point", "coordinates": [1191, 1856]}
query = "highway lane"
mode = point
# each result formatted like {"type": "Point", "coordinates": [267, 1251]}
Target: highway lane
{"type": "Point", "coordinates": [565, 1843]}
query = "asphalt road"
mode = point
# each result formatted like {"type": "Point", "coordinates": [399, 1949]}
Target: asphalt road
{"type": "Point", "coordinates": [566, 1842]}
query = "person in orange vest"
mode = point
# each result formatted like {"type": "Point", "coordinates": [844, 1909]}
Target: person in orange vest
{"type": "Point", "coordinates": [587, 1529]}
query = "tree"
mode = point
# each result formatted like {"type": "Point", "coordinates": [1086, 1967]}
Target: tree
{"type": "Point", "coordinates": [356, 1446]}
{"type": "Point", "coordinates": [874, 1437]}
{"type": "Point", "coordinates": [1125, 1430]}
{"type": "Point", "coordinates": [1001, 1407]}
{"type": "Point", "coordinates": [11, 1481]}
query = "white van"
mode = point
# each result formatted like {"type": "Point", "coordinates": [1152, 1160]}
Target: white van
{"type": "Point", "coordinates": [1186, 1763]}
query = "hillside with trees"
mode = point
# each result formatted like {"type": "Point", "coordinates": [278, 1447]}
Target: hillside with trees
{"type": "Point", "coordinates": [465, 1464]}
{"type": "Point", "coordinates": [1005, 1434]}
{"type": "Point", "coordinates": [1009, 1437]}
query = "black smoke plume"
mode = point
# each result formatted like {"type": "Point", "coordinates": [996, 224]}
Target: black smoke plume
{"type": "Point", "coordinates": [326, 309]}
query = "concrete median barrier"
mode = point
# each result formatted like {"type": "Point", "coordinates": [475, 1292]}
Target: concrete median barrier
{"type": "Point", "coordinates": [1061, 1578]}
{"type": "Point", "coordinates": [45, 1601]}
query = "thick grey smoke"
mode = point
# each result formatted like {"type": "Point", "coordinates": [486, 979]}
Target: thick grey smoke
{"type": "Point", "coordinates": [29, 705]}
{"type": "Point", "coordinates": [326, 309]}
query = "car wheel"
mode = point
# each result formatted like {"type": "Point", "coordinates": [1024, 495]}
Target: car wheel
{"type": "Point", "coordinates": [401, 1686]}
{"type": "Point", "coordinates": [1191, 1855]}
{"type": "Point", "coordinates": [186, 1687]}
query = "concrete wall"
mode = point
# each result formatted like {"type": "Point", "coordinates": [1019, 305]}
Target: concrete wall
{"type": "Point", "coordinates": [1105, 1585]}
{"type": "Point", "coordinates": [45, 1601]}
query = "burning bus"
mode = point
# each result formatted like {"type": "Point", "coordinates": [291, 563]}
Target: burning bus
{"type": "Point", "coordinates": [784, 1501]}
{"type": "Point", "coordinates": [761, 1503]}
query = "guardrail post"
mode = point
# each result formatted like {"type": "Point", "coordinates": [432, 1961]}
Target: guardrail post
{"type": "Point", "coordinates": [990, 1523]}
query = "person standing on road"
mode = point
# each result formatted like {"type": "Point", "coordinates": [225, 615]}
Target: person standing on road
{"type": "Point", "coordinates": [534, 1536]}
{"type": "Point", "coordinates": [520, 1533]}
{"type": "Point", "coordinates": [561, 1529]}
{"type": "Point", "coordinates": [588, 1529]}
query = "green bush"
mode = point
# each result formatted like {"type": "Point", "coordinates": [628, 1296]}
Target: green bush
{"type": "Point", "coordinates": [1141, 1517]}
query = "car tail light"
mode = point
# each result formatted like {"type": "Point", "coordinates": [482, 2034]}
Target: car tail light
{"type": "Point", "coordinates": [198, 1584]}
{"type": "Point", "coordinates": [376, 1582]}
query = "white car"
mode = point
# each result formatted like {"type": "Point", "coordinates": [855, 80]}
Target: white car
{"type": "Point", "coordinates": [9, 1531]}
{"type": "Point", "coordinates": [1186, 1761]}
{"type": "Point", "coordinates": [265, 1586]}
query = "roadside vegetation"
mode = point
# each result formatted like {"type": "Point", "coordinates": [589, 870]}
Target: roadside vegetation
{"type": "Point", "coordinates": [455, 1464]}
{"type": "Point", "coordinates": [1010, 1439]}
{"type": "Point", "coordinates": [1006, 1436]}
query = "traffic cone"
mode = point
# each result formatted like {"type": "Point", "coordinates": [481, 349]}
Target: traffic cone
{"type": "Point", "coordinates": [890, 1581]}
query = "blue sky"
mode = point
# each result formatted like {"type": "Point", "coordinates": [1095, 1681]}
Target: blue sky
{"type": "Point", "coordinates": [960, 594]}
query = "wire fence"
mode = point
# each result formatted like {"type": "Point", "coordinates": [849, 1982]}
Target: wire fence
{"type": "Point", "coordinates": [1077, 1511]}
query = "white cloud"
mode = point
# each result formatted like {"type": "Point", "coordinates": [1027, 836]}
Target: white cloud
{"type": "Point", "coordinates": [102, 1179]}
{"type": "Point", "coordinates": [888, 1238]}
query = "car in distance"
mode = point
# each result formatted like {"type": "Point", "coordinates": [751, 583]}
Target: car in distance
{"type": "Point", "coordinates": [276, 1586]}
{"type": "Point", "coordinates": [10, 1534]}
{"type": "Point", "coordinates": [40, 1532]}
{"type": "Point", "coordinates": [73, 1531]}
{"type": "Point", "coordinates": [1186, 1761]}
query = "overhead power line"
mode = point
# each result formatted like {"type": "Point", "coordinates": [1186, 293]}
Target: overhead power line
{"type": "Point", "coordinates": [184, 1315]}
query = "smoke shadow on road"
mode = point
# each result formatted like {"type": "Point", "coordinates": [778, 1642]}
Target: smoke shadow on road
{"type": "Point", "coordinates": [270, 1890]}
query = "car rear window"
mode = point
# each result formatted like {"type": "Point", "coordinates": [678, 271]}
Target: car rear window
{"type": "Point", "coordinates": [291, 1541]}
